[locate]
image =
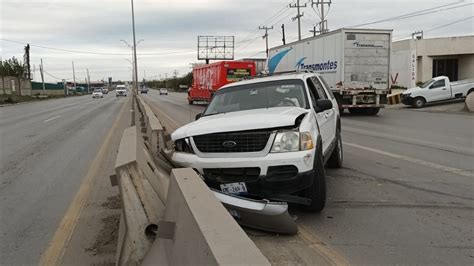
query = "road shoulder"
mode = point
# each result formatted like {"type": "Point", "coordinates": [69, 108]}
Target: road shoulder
{"type": "Point", "coordinates": [93, 238]}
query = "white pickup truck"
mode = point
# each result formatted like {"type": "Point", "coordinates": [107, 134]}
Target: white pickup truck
{"type": "Point", "coordinates": [437, 89]}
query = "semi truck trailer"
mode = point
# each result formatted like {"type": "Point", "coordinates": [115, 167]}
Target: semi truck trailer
{"type": "Point", "coordinates": [354, 62]}
{"type": "Point", "coordinates": [207, 79]}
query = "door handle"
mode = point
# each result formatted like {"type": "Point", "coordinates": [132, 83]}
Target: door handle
{"type": "Point", "coordinates": [444, 89]}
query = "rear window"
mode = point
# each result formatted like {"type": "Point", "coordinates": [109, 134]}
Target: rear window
{"type": "Point", "coordinates": [237, 74]}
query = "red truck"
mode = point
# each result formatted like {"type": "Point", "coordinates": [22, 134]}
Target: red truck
{"type": "Point", "coordinates": [207, 79]}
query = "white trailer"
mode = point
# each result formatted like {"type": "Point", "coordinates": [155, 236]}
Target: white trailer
{"type": "Point", "coordinates": [354, 62]}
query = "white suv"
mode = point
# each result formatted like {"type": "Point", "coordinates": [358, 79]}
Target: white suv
{"type": "Point", "coordinates": [266, 138]}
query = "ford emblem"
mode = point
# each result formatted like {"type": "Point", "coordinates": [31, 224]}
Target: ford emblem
{"type": "Point", "coordinates": [229, 144]}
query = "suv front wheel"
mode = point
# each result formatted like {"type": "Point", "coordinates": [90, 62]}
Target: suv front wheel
{"type": "Point", "coordinates": [336, 158]}
{"type": "Point", "coordinates": [317, 191]}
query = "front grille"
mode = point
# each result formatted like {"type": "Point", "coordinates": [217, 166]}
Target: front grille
{"type": "Point", "coordinates": [243, 141]}
{"type": "Point", "coordinates": [230, 175]}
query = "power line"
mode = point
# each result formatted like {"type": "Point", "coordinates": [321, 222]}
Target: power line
{"type": "Point", "coordinates": [439, 27]}
{"type": "Point", "coordinates": [416, 13]}
{"type": "Point", "coordinates": [276, 15]}
{"type": "Point", "coordinates": [94, 53]}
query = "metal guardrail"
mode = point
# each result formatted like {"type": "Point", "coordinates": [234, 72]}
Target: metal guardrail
{"type": "Point", "coordinates": [170, 219]}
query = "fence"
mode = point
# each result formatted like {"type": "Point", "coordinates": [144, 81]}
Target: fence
{"type": "Point", "coordinates": [15, 86]}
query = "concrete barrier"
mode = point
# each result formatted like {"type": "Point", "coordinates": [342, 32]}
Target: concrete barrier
{"type": "Point", "coordinates": [135, 218]}
{"type": "Point", "coordinates": [198, 229]}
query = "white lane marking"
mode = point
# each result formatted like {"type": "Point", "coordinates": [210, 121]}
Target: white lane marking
{"type": "Point", "coordinates": [52, 118]}
{"type": "Point", "coordinates": [413, 160]}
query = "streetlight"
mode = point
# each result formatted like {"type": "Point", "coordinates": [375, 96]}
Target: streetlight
{"type": "Point", "coordinates": [134, 74]}
{"type": "Point", "coordinates": [134, 48]}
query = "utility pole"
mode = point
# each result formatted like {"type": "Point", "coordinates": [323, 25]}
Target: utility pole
{"type": "Point", "coordinates": [314, 31]}
{"type": "Point", "coordinates": [283, 33]}
{"type": "Point", "coordinates": [417, 34]}
{"type": "Point", "coordinates": [74, 75]}
{"type": "Point", "coordinates": [42, 76]}
{"type": "Point", "coordinates": [298, 16]}
{"type": "Point", "coordinates": [265, 28]}
{"type": "Point", "coordinates": [88, 81]}
{"type": "Point", "coordinates": [166, 80]}
{"type": "Point", "coordinates": [134, 49]}
{"type": "Point", "coordinates": [323, 24]}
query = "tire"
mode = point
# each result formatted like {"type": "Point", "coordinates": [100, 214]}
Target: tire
{"type": "Point", "coordinates": [337, 156]}
{"type": "Point", "coordinates": [356, 111]}
{"type": "Point", "coordinates": [419, 102]}
{"type": "Point", "coordinates": [372, 111]}
{"type": "Point", "coordinates": [317, 191]}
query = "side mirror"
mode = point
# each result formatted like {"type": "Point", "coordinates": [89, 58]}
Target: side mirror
{"type": "Point", "coordinates": [198, 116]}
{"type": "Point", "coordinates": [323, 105]}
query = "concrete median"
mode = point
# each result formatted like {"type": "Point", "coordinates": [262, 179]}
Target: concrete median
{"type": "Point", "coordinates": [201, 232]}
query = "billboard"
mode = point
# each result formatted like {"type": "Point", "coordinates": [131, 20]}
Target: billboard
{"type": "Point", "coordinates": [215, 47]}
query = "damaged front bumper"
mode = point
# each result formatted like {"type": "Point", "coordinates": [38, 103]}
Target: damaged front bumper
{"type": "Point", "coordinates": [259, 214]}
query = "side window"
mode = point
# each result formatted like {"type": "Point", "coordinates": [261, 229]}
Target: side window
{"type": "Point", "coordinates": [319, 89]}
{"type": "Point", "coordinates": [312, 91]}
{"type": "Point", "coordinates": [328, 89]}
{"type": "Point", "coordinates": [438, 84]}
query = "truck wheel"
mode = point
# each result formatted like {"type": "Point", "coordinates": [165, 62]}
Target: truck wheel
{"type": "Point", "coordinates": [356, 111]}
{"type": "Point", "coordinates": [317, 191]}
{"type": "Point", "coordinates": [372, 111]}
{"type": "Point", "coordinates": [335, 161]}
{"type": "Point", "coordinates": [419, 102]}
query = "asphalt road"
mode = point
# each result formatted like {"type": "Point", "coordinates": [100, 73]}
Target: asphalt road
{"type": "Point", "coordinates": [404, 196]}
{"type": "Point", "coordinates": [47, 148]}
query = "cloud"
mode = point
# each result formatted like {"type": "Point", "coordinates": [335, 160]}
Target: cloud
{"type": "Point", "coordinates": [173, 26]}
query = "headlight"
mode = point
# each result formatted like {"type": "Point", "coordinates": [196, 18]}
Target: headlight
{"type": "Point", "coordinates": [406, 95]}
{"type": "Point", "coordinates": [288, 141]}
{"type": "Point", "coordinates": [183, 145]}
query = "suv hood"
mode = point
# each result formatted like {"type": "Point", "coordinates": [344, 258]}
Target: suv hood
{"type": "Point", "coordinates": [240, 121]}
{"type": "Point", "coordinates": [412, 90]}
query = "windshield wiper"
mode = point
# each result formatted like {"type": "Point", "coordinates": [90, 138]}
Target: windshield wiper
{"type": "Point", "coordinates": [213, 114]}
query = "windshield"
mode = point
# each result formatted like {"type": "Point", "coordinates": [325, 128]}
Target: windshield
{"type": "Point", "coordinates": [427, 83]}
{"type": "Point", "coordinates": [97, 90]}
{"type": "Point", "coordinates": [259, 95]}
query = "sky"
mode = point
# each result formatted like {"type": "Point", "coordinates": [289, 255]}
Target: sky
{"type": "Point", "coordinates": [169, 30]}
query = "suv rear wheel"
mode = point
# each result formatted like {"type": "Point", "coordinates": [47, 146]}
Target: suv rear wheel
{"type": "Point", "coordinates": [317, 191]}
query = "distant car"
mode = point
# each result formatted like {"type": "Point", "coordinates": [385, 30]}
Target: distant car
{"type": "Point", "coordinates": [163, 91]}
{"type": "Point", "coordinates": [121, 90]}
{"type": "Point", "coordinates": [105, 90]}
{"type": "Point", "coordinates": [144, 90]}
{"type": "Point", "coordinates": [97, 93]}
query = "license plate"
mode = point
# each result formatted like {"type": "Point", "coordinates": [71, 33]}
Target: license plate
{"type": "Point", "coordinates": [234, 188]}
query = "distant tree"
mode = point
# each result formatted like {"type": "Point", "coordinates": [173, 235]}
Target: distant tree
{"type": "Point", "coordinates": [171, 83]}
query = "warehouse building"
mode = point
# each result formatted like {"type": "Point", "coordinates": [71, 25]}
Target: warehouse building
{"type": "Point", "coordinates": [419, 60]}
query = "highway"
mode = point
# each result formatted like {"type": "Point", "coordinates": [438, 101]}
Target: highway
{"type": "Point", "coordinates": [404, 196]}
{"type": "Point", "coordinates": [47, 148]}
